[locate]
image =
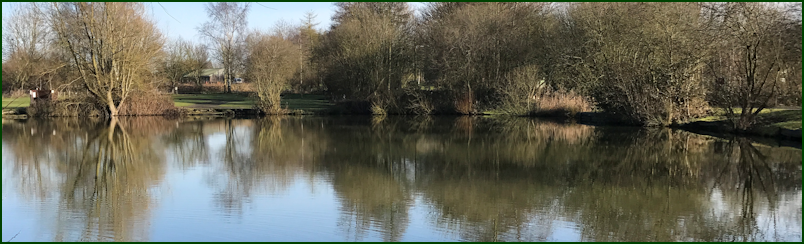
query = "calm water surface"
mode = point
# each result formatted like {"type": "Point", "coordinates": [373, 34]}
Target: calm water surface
{"type": "Point", "coordinates": [390, 179]}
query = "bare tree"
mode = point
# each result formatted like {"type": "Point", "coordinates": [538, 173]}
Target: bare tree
{"type": "Point", "coordinates": [748, 59]}
{"type": "Point", "coordinates": [181, 58]}
{"type": "Point", "coordinates": [226, 33]}
{"type": "Point", "coordinates": [790, 93]}
{"type": "Point", "coordinates": [307, 39]}
{"type": "Point", "coordinates": [399, 13]}
{"type": "Point", "coordinates": [199, 59]}
{"type": "Point", "coordinates": [366, 53]}
{"type": "Point", "coordinates": [112, 45]}
{"type": "Point", "coordinates": [176, 62]}
{"type": "Point", "coordinates": [26, 47]}
{"type": "Point", "coordinates": [642, 61]}
{"type": "Point", "coordinates": [470, 48]}
{"type": "Point", "coordinates": [271, 62]}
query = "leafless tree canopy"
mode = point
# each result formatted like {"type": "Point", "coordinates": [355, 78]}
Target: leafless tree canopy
{"type": "Point", "coordinates": [225, 31]}
{"type": "Point", "coordinates": [755, 57]}
{"type": "Point", "coordinates": [29, 59]}
{"type": "Point", "coordinates": [366, 54]}
{"type": "Point", "coordinates": [182, 58]}
{"type": "Point", "coordinates": [651, 63]}
{"type": "Point", "coordinates": [271, 62]}
{"type": "Point", "coordinates": [113, 46]}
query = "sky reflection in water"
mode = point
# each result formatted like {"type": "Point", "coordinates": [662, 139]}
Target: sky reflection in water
{"type": "Point", "coordinates": [390, 179]}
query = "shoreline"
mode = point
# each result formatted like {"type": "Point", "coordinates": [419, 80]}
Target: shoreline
{"type": "Point", "coordinates": [712, 128]}
{"type": "Point", "coordinates": [783, 136]}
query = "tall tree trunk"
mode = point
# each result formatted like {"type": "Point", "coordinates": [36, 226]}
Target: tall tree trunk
{"type": "Point", "coordinates": [229, 84]}
{"type": "Point", "coordinates": [110, 103]}
{"type": "Point", "coordinates": [112, 126]}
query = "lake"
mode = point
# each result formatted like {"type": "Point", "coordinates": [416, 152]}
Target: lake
{"type": "Point", "coordinates": [390, 179]}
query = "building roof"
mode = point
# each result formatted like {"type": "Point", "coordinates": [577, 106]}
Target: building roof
{"type": "Point", "coordinates": [203, 72]}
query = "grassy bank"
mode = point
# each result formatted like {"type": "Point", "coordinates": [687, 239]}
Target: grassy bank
{"type": "Point", "coordinates": [220, 100]}
{"type": "Point", "coordinates": [16, 102]}
{"type": "Point", "coordinates": [308, 103]}
{"type": "Point", "coordinates": [294, 102]}
{"type": "Point", "coordinates": [787, 118]}
{"type": "Point", "coordinates": [776, 122]}
{"type": "Point", "coordinates": [774, 117]}
{"type": "Point", "coordinates": [780, 123]}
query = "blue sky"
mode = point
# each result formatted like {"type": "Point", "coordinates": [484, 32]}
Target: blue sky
{"type": "Point", "coordinates": [262, 16]}
{"type": "Point", "coordinates": [187, 16]}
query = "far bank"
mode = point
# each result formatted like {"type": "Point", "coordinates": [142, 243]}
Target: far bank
{"type": "Point", "coordinates": [777, 124]}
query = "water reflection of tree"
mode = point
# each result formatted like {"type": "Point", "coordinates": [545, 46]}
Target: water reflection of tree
{"type": "Point", "coordinates": [487, 181]}
{"type": "Point", "coordinates": [751, 180]}
{"type": "Point", "coordinates": [367, 169]}
{"type": "Point", "coordinates": [524, 142]}
{"type": "Point", "coordinates": [514, 179]}
{"type": "Point", "coordinates": [286, 147]}
{"type": "Point", "coordinates": [104, 176]}
{"type": "Point", "coordinates": [377, 167]}
{"type": "Point", "coordinates": [232, 178]}
{"type": "Point", "coordinates": [484, 179]}
{"type": "Point", "coordinates": [265, 155]}
{"type": "Point", "coordinates": [649, 157]}
{"type": "Point", "coordinates": [482, 207]}
{"type": "Point", "coordinates": [123, 167]}
{"type": "Point", "coordinates": [495, 177]}
{"type": "Point", "coordinates": [34, 163]}
{"type": "Point", "coordinates": [188, 142]}
{"type": "Point", "coordinates": [673, 202]}
{"type": "Point", "coordinates": [656, 213]}
{"type": "Point", "coordinates": [370, 198]}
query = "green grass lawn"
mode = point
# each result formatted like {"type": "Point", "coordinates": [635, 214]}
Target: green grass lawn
{"type": "Point", "coordinates": [790, 125]}
{"type": "Point", "coordinates": [12, 103]}
{"type": "Point", "coordinates": [220, 100]}
{"type": "Point", "coordinates": [309, 103]}
{"type": "Point", "coordinates": [788, 119]}
{"type": "Point", "coordinates": [784, 118]}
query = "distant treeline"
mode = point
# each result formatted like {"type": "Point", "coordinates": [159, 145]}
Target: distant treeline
{"type": "Point", "coordinates": [653, 63]}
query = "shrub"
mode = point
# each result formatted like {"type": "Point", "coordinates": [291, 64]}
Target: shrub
{"type": "Point", "coordinates": [378, 109]}
{"type": "Point", "coordinates": [78, 105]}
{"type": "Point", "coordinates": [203, 88]}
{"type": "Point", "coordinates": [269, 107]}
{"type": "Point", "coordinates": [18, 93]}
{"type": "Point", "coordinates": [147, 103]}
{"type": "Point", "coordinates": [418, 102]}
{"type": "Point", "coordinates": [244, 87]}
{"type": "Point", "coordinates": [464, 103]}
{"type": "Point", "coordinates": [560, 104]}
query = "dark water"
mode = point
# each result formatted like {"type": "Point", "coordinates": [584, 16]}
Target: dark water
{"type": "Point", "coordinates": [390, 179]}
